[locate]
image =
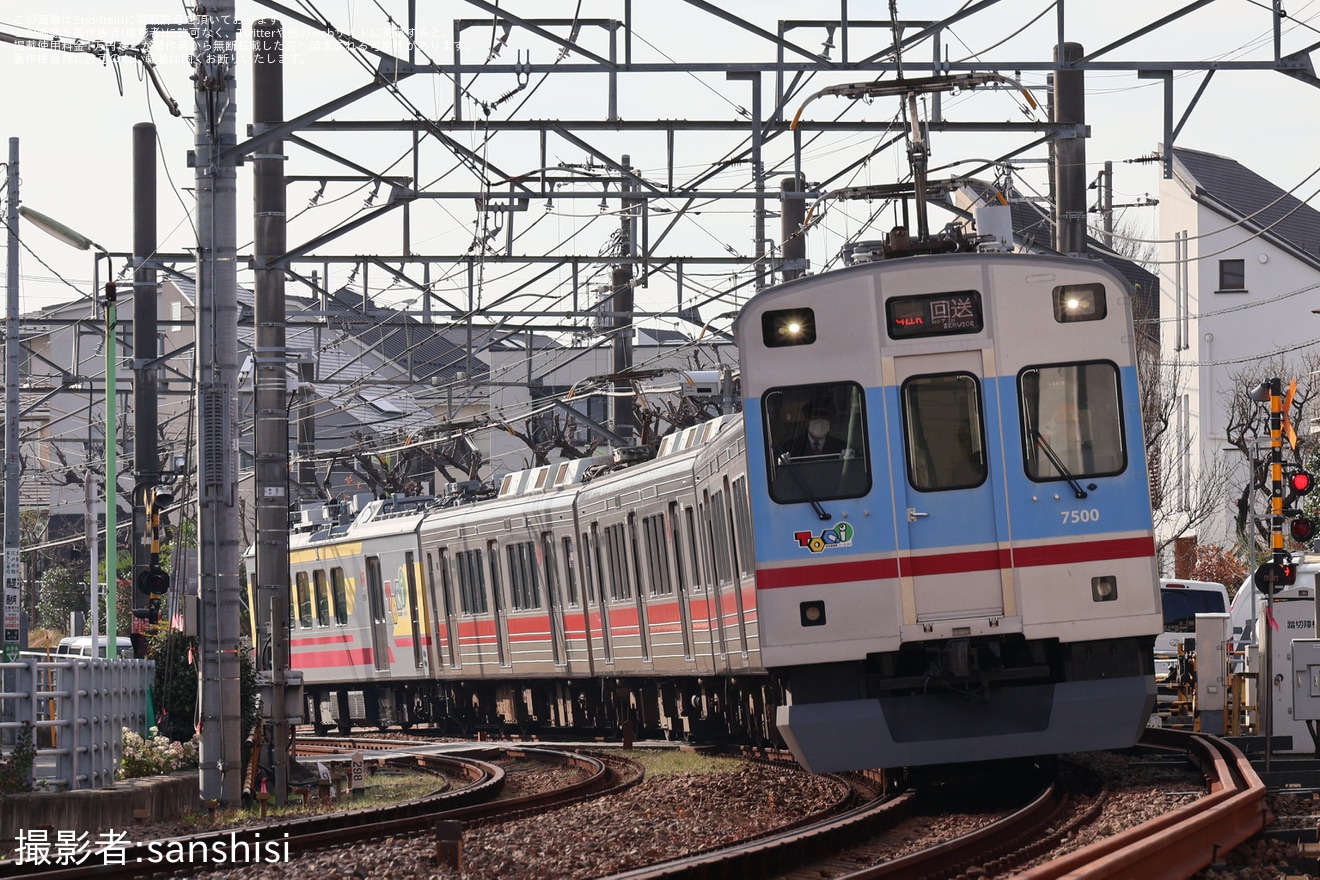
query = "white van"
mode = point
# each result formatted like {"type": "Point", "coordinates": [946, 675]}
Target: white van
{"type": "Point", "coordinates": [1182, 601]}
{"type": "Point", "coordinates": [1249, 599]}
{"type": "Point", "coordinates": [81, 646]}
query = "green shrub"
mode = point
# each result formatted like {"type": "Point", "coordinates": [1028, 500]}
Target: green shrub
{"type": "Point", "coordinates": [16, 770]}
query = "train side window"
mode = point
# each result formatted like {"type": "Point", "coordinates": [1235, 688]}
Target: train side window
{"type": "Point", "coordinates": [616, 558]}
{"type": "Point", "coordinates": [322, 598]}
{"type": "Point", "coordinates": [570, 572]}
{"type": "Point", "coordinates": [657, 560]}
{"type": "Point", "coordinates": [1072, 421]}
{"type": "Point", "coordinates": [1079, 302]}
{"type": "Point", "coordinates": [944, 432]}
{"type": "Point", "coordinates": [524, 589]}
{"type": "Point", "coordinates": [471, 582]}
{"type": "Point", "coordinates": [340, 593]}
{"type": "Point", "coordinates": [816, 444]}
{"type": "Point", "coordinates": [304, 601]}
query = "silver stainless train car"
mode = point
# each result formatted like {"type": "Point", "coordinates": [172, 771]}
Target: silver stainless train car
{"type": "Point", "coordinates": [926, 539]}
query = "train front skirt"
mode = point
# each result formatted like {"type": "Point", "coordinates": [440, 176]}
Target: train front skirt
{"type": "Point", "coordinates": [941, 728]}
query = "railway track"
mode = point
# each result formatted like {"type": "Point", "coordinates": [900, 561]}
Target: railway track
{"type": "Point", "coordinates": [1184, 841]}
{"type": "Point", "coordinates": [473, 800]}
{"type": "Point", "coordinates": [835, 842]}
{"type": "Point", "coordinates": [1176, 845]}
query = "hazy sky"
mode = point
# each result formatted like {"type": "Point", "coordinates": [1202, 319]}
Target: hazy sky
{"type": "Point", "coordinates": [74, 125]}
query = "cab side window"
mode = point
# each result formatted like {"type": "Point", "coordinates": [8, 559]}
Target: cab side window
{"type": "Point", "coordinates": [816, 443]}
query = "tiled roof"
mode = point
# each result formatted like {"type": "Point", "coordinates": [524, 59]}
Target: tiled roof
{"type": "Point", "coordinates": [1243, 196]}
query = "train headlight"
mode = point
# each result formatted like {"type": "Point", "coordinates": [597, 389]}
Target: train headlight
{"type": "Point", "coordinates": [1104, 589]}
{"type": "Point", "coordinates": [813, 613]}
{"type": "Point", "coordinates": [783, 327]}
{"type": "Point", "coordinates": [1079, 302]}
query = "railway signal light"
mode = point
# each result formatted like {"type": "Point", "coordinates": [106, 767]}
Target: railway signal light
{"type": "Point", "coordinates": [1302, 529]}
{"type": "Point", "coordinates": [1269, 574]}
{"type": "Point", "coordinates": [1299, 483]}
{"type": "Point", "coordinates": [153, 582]}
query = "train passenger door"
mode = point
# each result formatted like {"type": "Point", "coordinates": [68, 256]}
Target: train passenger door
{"type": "Point", "coordinates": [553, 598]}
{"type": "Point", "coordinates": [953, 556]}
{"type": "Point", "coordinates": [681, 577]}
{"type": "Point", "coordinates": [497, 603]}
{"type": "Point", "coordinates": [442, 605]}
{"type": "Point", "coordinates": [713, 570]}
{"type": "Point", "coordinates": [380, 627]}
{"type": "Point", "coordinates": [596, 571]}
{"type": "Point", "coordinates": [414, 608]}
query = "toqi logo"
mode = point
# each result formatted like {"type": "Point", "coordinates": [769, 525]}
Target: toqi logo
{"type": "Point", "coordinates": [839, 536]}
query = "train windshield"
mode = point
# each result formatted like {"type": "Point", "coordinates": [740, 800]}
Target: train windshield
{"type": "Point", "coordinates": [816, 442]}
{"type": "Point", "coordinates": [1072, 423]}
{"type": "Point", "coordinates": [945, 437]}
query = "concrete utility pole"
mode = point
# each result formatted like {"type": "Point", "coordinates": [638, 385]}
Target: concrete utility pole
{"type": "Point", "coordinates": [792, 237]}
{"type": "Point", "coordinates": [146, 309]}
{"type": "Point", "coordinates": [621, 307]}
{"type": "Point", "coordinates": [1070, 153]}
{"type": "Point", "coordinates": [220, 760]}
{"type": "Point", "coordinates": [270, 402]}
{"type": "Point", "coordinates": [13, 461]}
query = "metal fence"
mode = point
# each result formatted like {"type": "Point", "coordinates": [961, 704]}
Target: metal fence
{"type": "Point", "coordinates": [78, 708]}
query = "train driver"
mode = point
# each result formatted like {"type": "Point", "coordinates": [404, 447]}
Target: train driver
{"type": "Point", "coordinates": [817, 440]}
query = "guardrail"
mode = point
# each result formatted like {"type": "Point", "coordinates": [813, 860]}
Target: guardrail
{"type": "Point", "coordinates": [77, 708]}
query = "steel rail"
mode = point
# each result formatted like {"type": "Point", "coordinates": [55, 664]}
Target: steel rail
{"type": "Point", "coordinates": [1181, 842]}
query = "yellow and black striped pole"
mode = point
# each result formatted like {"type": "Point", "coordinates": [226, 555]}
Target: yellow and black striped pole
{"type": "Point", "coordinates": [1276, 475]}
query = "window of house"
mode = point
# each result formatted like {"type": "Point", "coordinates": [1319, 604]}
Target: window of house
{"type": "Point", "coordinates": [1232, 274]}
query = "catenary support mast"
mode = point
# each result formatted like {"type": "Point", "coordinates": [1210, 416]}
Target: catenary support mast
{"type": "Point", "coordinates": [270, 402]}
{"type": "Point", "coordinates": [220, 755]}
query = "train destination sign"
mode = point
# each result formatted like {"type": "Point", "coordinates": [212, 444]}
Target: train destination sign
{"type": "Point", "coordinates": [934, 314]}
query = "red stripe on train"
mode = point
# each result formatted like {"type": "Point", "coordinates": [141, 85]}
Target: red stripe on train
{"type": "Point", "coordinates": [343, 657]}
{"type": "Point", "coordinates": [343, 639]}
{"type": "Point", "coordinates": [953, 563]}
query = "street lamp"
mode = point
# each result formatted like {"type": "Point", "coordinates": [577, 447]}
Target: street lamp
{"type": "Point", "coordinates": [82, 243]}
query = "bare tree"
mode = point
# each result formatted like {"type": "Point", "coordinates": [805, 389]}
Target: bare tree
{"type": "Point", "coordinates": [1184, 496]}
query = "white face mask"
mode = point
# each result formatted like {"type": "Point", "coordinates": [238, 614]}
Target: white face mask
{"type": "Point", "coordinates": [818, 428]}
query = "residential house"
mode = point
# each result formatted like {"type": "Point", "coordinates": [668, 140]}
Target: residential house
{"type": "Point", "coordinates": [1239, 267]}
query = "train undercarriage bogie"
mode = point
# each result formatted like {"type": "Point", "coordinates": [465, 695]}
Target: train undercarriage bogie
{"type": "Point", "coordinates": [675, 709]}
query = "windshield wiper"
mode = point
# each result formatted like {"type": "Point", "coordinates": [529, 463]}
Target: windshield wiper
{"type": "Point", "coordinates": [785, 461]}
{"type": "Point", "coordinates": [1053, 456]}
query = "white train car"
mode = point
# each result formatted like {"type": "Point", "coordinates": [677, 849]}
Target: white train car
{"type": "Point", "coordinates": [965, 571]}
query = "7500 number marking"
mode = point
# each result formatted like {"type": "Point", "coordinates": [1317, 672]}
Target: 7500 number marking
{"type": "Point", "coordinates": [1073, 517]}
